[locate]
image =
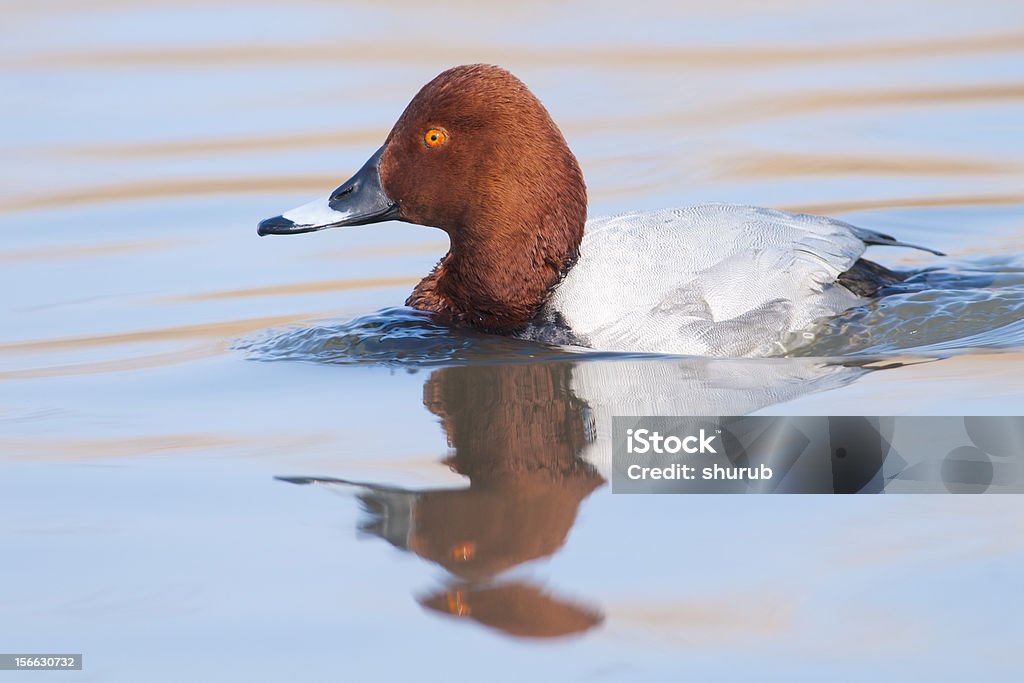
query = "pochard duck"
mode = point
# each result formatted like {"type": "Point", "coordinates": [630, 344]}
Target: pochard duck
{"type": "Point", "coordinates": [477, 155]}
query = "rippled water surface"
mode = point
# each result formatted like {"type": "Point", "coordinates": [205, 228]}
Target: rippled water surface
{"type": "Point", "coordinates": [229, 458]}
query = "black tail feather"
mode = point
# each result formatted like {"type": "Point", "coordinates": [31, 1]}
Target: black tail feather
{"type": "Point", "coordinates": [871, 237]}
{"type": "Point", "coordinates": [867, 278]}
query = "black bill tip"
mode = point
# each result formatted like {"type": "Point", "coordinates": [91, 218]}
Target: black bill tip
{"type": "Point", "coordinates": [278, 225]}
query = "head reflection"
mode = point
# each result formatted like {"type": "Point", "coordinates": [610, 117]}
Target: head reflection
{"type": "Point", "coordinates": [516, 431]}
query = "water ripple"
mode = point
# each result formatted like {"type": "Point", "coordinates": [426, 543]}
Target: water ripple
{"type": "Point", "coordinates": [979, 305]}
{"type": "Point", "coordinates": [404, 337]}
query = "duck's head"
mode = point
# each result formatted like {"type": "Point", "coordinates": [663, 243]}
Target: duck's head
{"type": "Point", "coordinates": [475, 154]}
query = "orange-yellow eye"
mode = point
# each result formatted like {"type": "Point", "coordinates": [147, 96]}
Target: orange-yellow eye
{"type": "Point", "coordinates": [435, 137]}
{"type": "Point", "coordinates": [457, 605]}
{"type": "Point", "coordinates": [464, 552]}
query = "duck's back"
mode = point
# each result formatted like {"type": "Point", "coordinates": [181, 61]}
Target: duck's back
{"type": "Point", "coordinates": [710, 279]}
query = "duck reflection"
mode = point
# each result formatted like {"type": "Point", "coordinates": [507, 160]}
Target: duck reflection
{"type": "Point", "coordinates": [516, 431]}
{"type": "Point", "coordinates": [533, 438]}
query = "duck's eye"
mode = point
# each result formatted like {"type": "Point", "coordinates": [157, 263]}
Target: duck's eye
{"type": "Point", "coordinates": [464, 551]}
{"type": "Point", "coordinates": [435, 137]}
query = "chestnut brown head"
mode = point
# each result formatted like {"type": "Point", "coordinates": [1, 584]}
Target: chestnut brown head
{"type": "Point", "coordinates": [475, 154]}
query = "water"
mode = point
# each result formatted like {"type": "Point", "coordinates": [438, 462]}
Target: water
{"type": "Point", "coordinates": [230, 458]}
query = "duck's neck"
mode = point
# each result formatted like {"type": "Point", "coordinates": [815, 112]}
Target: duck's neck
{"type": "Point", "coordinates": [500, 282]}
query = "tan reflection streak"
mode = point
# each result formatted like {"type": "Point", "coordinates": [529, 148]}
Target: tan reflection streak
{"type": "Point", "coordinates": [900, 202]}
{"type": "Point", "coordinates": [958, 94]}
{"type": "Point", "coordinates": [700, 621]}
{"type": "Point", "coordinates": [759, 108]}
{"type": "Point", "coordinates": [59, 449]}
{"type": "Point", "coordinates": [44, 9]}
{"type": "Point", "coordinates": [389, 250]}
{"type": "Point", "coordinates": [336, 138]}
{"type": "Point", "coordinates": [156, 360]}
{"type": "Point", "coordinates": [622, 56]}
{"type": "Point", "coordinates": [774, 165]}
{"type": "Point", "coordinates": [218, 330]}
{"type": "Point", "coordinates": [623, 190]}
{"type": "Point", "coordinates": [154, 189]}
{"type": "Point", "coordinates": [315, 287]}
{"type": "Point", "coordinates": [765, 107]}
{"type": "Point", "coordinates": [85, 250]}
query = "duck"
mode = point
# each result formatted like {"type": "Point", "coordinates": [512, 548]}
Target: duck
{"type": "Point", "coordinates": [476, 154]}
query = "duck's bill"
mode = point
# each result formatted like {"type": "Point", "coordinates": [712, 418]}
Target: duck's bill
{"type": "Point", "coordinates": [359, 201]}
